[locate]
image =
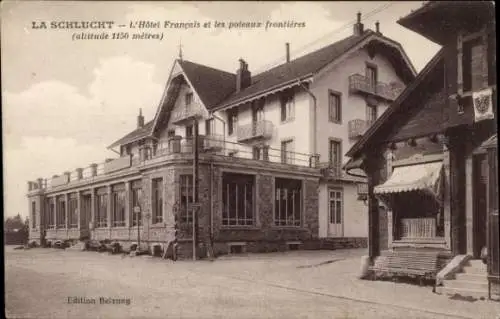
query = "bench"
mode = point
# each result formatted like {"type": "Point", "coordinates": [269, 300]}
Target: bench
{"type": "Point", "coordinates": [423, 265]}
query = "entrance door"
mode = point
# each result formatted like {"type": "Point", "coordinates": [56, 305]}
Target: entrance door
{"type": "Point", "coordinates": [335, 213]}
{"type": "Point", "coordinates": [479, 189]}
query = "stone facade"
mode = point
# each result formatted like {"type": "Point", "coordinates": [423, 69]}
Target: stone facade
{"type": "Point", "coordinates": [262, 236]}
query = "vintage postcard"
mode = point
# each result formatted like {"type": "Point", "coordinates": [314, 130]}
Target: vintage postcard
{"type": "Point", "coordinates": [250, 159]}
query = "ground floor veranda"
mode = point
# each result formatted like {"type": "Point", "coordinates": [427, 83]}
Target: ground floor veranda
{"type": "Point", "coordinates": [244, 205]}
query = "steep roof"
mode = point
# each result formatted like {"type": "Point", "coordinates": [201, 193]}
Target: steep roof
{"type": "Point", "coordinates": [296, 69]}
{"type": "Point", "coordinates": [386, 117]}
{"type": "Point", "coordinates": [134, 135]}
{"type": "Point", "coordinates": [217, 88]}
{"type": "Point", "coordinates": [212, 85]}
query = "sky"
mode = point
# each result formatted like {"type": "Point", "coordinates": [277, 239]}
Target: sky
{"type": "Point", "coordinates": [64, 101]}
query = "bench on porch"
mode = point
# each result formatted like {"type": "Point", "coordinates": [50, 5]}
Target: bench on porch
{"type": "Point", "coordinates": [423, 265]}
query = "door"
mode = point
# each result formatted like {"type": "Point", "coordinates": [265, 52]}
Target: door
{"type": "Point", "coordinates": [257, 116]}
{"type": "Point", "coordinates": [479, 190]}
{"type": "Point", "coordinates": [335, 213]}
{"type": "Point", "coordinates": [371, 76]}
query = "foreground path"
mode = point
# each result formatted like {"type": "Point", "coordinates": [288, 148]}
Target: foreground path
{"type": "Point", "coordinates": [39, 282]}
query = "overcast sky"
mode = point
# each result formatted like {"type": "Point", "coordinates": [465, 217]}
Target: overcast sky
{"type": "Point", "coordinates": [64, 101]}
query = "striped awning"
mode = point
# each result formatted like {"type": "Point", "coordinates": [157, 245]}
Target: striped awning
{"type": "Point", "coordinates": [426, 177]}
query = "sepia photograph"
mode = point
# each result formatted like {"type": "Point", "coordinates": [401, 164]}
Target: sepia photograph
{"type": "Point", "coordinates": [225, 159]}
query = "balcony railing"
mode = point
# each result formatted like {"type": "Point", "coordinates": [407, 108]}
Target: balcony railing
{"type": "Point", "coordinates": [256, 130]}
{"type": "Point", "coordinates": [215, 144]}
{"type": "Point", "coordinates": [187, 113]}
{"type": "Point", "coordinates": [418, 228]}
{"type": "Point", "coordinates": [331, 170]}
{"type": "Point", "coordinates": [360, 83]}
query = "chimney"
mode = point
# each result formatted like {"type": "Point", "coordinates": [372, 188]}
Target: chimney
{"type": "Point", "coordinates": [243, 76]}
{"type": "Point", "coordinates": [140, 119]}
{"type": "Point", "coordinates": [358, 26]}
{"type": "Point", "coordinates": [377, 27]}
{"type": "Point", "coordinates": [287, 47]}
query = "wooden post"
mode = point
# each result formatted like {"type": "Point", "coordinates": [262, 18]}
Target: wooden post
{"type": "Point", "coordinates": [447, 196]}
{"type": "Point", "coordinates": [374, 172]}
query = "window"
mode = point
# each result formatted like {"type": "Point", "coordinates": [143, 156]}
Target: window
{"type": "Point", "coordinates": [472, 65]}
{"type": "Point", "coordinates": [73, 212]}
{"type": "Point", "coordinates": [186, 198]}
{"type": "Point", "coordinates": [136, 202]}
{"type": "Point", "coordinates": [256, 152]}
{"type": "Point", "coordinates": [61, 213]}
{"type": "Point", "coordinates": [287, 152]}
{"type": "Point", "coordinates": [157, 204]}
{"type": "Point", "coordinates": [209, 126]}
{"type": "Point", "coordinates": [371, 76]}
{"type": "Point", "coordinates": [334, 107]}
{"type": "Point", "coordinates": [189, 98]}
{"type": "Point", "coordinates": [265, 153]}
{"type": "Point", "coordinates": [33, 215]}
{"type": "Point", "coordinates": [237, 199]}
{"type": "Point", "coordinates": [189, 131]}
{"type": "Point", "coordinates": [335, 154]}
{"type": "Point", "coordinates": [50, 210]}
{"type": "Point", "coordinates": [232, 116]}
{"type": "Point", "coordinates": [170, 133]}
{"type": "Point", "coordinates": [335, 206]}
{"type": "Point", "coordinates": [101, 217]}
{"type": "Point", "coordinates": [118, 212]}
{"type": "Point", "coordinates": [288, 202]}
{"type": "Point", "coordinates": [287, 100]}
{"type": "Point", "coordinates": [371, 113]}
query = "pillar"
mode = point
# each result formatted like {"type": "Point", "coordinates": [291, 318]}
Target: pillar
{"type": "Point", "coordinates": [110, 203]}
{"type": "Point", "coordinates": [66, 208]}
{"type": "Point", "coordinates": [390, 221]}
{"type": "Point", "coordinates": [374, 171]}
{"type": "Point", "coordinates": [128, 204]}
{"type": "Point", "coordinates": [92, 209]}
{"type": "Point", "coordinates": [447, 196]}
{"type": "Point", "coordinates": [79, 208]}
{"type": "Point", "coordinates": [469, 206]}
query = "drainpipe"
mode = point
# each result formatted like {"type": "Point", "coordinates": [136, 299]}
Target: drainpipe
{"type": "Point", "coordinates": [315, 121]}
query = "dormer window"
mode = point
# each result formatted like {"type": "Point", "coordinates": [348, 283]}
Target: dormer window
{"type": "Point", "coordinates": [189, 98]}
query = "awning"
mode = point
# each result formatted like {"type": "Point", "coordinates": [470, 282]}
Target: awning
{"type": "Point", "coordinates": [425, 177]}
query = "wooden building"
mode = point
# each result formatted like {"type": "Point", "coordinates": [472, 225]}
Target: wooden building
{"type": "Point", "coordinates": [429, 189]}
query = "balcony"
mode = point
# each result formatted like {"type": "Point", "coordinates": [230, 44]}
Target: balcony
{"type": "Point", "coordinates": [213, 146]}
{"type": "Point", "coordinates": [213, 143]}
{"type": "Point", "coordinates": [187, 114]}
{"type": "Point", "coordinates": [361, 84]}
{"type": "Point", "coordinates": [358, 127]}
{"type": "Point", "coordinates": [259, 130]}
{"type": "Point", "coordinates": [331, 170]}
